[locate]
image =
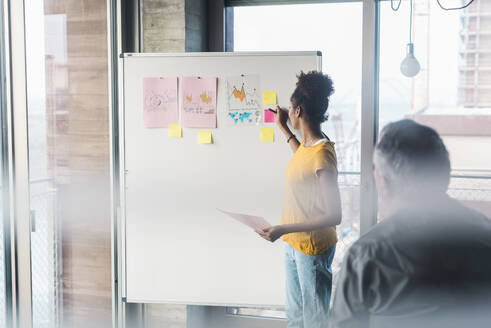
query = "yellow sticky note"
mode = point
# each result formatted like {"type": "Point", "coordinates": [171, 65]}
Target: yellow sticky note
{"type": "Point", "coordinates": [267, 134]}
{"type": "Point", "coordinates": [269, 98]}
{"type": "Point", "coordinates": [175, 131]}
{"type": "Point", "coordinates": [204, 137]}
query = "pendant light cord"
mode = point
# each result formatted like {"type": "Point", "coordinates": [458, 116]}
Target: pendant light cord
{"type": "Point", "coordinates": [456, 8]}
{"type": "Point", "coordinates": [392, 5]}
{"type": "Point", "coordinates": [396, 8]}
{"type": "Point", "coordinates": [411, 21]}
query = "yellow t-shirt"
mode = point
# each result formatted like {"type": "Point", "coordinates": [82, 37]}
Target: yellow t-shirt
{"type": "Point", "coordinates": [303, 198]}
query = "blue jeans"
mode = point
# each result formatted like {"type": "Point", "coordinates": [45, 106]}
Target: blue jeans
{"type": "Point", "coordinates": [308, 287]}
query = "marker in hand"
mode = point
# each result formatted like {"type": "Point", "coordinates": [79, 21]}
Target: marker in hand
{"type": "Point", "coordinates": [272, 110]}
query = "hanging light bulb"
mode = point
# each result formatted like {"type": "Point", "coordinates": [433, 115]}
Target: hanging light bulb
{"type": "Point", "coordinates": [410, 66]}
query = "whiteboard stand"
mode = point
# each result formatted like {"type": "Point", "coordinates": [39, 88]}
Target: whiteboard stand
{"type": "Point", "coordinates": [217, 317]}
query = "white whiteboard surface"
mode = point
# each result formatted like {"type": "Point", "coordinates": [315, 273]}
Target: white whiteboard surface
{"type": "Point", "coordinates": [177, 247]}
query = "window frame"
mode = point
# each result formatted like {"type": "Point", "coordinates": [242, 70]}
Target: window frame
{"type": "Point", "coordinates": [16, 170]}
{"type": "Point", "coordinates": [369, 92]}
{"type": "Point", "coordinates": [5, 166]}
{"type": "Point", "coordinates": [242, 3]}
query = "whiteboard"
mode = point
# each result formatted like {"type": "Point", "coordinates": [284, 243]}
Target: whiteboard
{"type": "Point", "coordinates": [177, 248]}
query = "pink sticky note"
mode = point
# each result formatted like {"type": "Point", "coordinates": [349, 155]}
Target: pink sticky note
{"type": "Point", "coordinates": [199, 101]}
{"type": "Point", "coordinates": [268, 116]}
{"type": "Point", "coordinates": [160, 102]}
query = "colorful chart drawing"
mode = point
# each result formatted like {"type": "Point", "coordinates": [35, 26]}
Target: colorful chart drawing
{"type": "Point", "coordinates": [205, 98]}
{"type": "Point", "coordinates": [239, 94]}
{"type": "Point", "coordinates": [245, 117]}
{"type": "Point", "coordinates": [242, 117]}
{"type": "Point", "coordinates": [159, 102]}
{"type": "Point", "coordinates": [199, 102]}
{"type": "Point", "coordinates": [243, 93]}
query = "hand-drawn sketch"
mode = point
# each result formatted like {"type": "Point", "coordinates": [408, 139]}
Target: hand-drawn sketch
{"type": "Point", "coordinates": [159, 102]}
{"type": "Point", "coordinates": [244, 117]}
{"type": "Point", "coordinates": [199, 97]}
{"type": "Point", "coordinates": [243, 92]}
{"type": "Point", "coordinates": [244, 100]}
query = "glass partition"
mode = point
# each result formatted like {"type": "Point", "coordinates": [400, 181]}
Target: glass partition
{"type": "Point", "coordinates": [67, 89]}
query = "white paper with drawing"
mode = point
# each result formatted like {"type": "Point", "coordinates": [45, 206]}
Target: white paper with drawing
{"type": "Point", "coordinates": [254, 222]}
{"type": "Point", "coordinates": [244, 100]}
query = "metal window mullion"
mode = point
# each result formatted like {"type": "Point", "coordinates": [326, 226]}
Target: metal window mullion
{"type": "Point", "coordinates": [369, 114]}
{"type": "Point", "coordinates": [140, 25]}
{"type": "Point", "coordinates": [114, 28]}
{"type": "Point", "coordinates": [19, 168]}
{"type": "Point", "coordinates": [5, 167]}
{"type": "Point", "coordinates": [241, 3]}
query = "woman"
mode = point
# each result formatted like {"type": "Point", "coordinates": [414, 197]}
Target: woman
{"type": "Point", "coordinates": [311, 206]}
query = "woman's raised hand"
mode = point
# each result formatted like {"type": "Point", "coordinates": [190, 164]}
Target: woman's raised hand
{"type": "Point", "coordinates": [281, 116]}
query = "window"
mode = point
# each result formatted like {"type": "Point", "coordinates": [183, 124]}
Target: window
{"type": "Point", "coordinates": [316, 27]}
{"type": "Point", "coordinates": [451, 93]}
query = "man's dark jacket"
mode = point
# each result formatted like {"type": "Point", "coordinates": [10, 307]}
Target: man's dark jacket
{"type": "Point", "coordinates": [427, 265]}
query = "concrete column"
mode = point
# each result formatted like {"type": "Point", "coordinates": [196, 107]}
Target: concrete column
{"type": "Point", "coordinates": [164, 26]}
{"type": "Point", "coordinates": [183, 25]}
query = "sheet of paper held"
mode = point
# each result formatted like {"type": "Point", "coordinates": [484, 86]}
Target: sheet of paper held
{"type": "Point", "coordinates": [254, 222]}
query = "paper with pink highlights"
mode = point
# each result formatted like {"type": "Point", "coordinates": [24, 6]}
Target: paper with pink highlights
{"type": "Point", "coordinates": [256, 223]}
{"type": "Point", "coordinates": [160, 102]}
{"type": "Point", "coordinates": [199, 102]}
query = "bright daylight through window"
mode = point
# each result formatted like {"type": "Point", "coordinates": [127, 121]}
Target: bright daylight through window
{"type": "Point", "coordinates": [451, 92]}
{"type": "Point", "coordinates": [316, 27]}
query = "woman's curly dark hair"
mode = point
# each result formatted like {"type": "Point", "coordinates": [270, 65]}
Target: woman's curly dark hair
{"type": "Point", "coordinates": [312, 94]}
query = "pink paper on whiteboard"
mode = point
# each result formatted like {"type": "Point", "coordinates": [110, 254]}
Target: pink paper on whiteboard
{"type": "Point", "coordinates": [160, 102]}
{"type": "Point", "coordinates": [199, 102]}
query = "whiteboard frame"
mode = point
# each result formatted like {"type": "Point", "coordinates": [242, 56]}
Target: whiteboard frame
{"type": "Point", "coordinates": [122, 168]}
{"type": "Point", "coordinates": [227, 54]}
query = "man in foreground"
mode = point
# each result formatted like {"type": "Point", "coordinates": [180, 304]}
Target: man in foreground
{"type": "Point", "coordinates": [428, 263]}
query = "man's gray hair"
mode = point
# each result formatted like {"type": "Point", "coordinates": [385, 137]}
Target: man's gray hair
{"type": "Point", "coordinates": [413, 158]}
